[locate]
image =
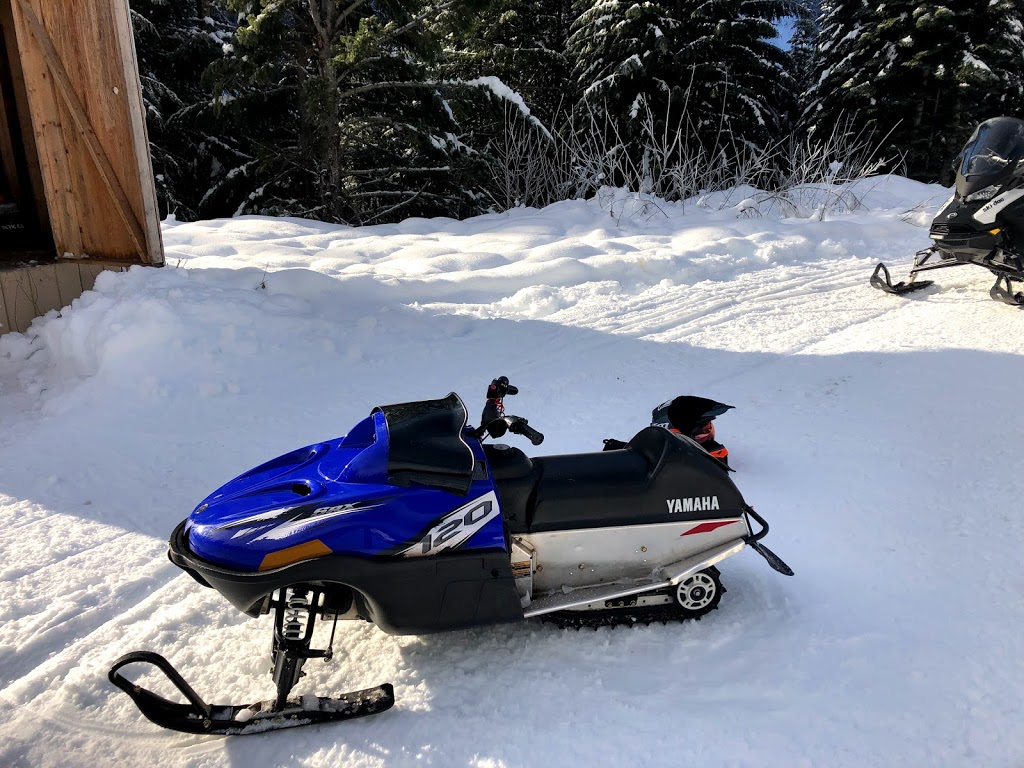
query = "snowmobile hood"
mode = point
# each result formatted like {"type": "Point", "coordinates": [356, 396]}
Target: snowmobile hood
{"type": "Point", "coordinates": [367, 493]}
{"type": "Point", "coordinates": [991, 155]}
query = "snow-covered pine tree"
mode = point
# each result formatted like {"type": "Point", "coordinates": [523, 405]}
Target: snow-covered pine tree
{"type": "Point", "coordinates": [621, 52]}
{"type": "Point", "coordinates": [743, 87]}
{"type": "Point", "coordinates": [337, 96]}
{"type": "Point", "coordinates": [522, 42]}
{"type": "Point", "coordinates": [996, 34]}
{"type": "Point", "coordinates": [919, 75]}
{"type": "Point", "coordinates": [176, 40]}
{"type": "Point", "coordinates": [705, 67]}
{"type": "Point", "coordinates": [803, 46]}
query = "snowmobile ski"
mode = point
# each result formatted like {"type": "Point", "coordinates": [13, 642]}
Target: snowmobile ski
{"type": "Point", "coordinates": [229, 720]}
{"type": "Point", "coordinates": [1006, 295]}
{"type": "Point", "coordinates": [903, 286]}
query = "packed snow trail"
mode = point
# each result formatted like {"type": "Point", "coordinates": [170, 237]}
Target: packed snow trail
{"type": "Point", "coordinates": [876, 434]}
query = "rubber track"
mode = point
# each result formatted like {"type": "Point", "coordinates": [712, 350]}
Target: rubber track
{"type": "Point", "coordinates": [623, 617]}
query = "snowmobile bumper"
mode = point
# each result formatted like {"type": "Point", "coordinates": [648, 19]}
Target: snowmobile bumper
{"type": "Point", "coordinates": [754, 542]}
{"type": "Point", "coordinates": [410, 595]}
{"type": "Point", "coordinates": [227, 720]}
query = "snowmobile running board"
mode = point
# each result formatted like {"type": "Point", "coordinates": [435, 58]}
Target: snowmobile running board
{"type": "Point", "coordinates": [226, 720]}
{"type": "Point", "coordinates": [670, 574]}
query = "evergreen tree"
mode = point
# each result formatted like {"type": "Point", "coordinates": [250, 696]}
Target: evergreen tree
{"type": "Point", "coordinates": [745, 79]}
{"type": "Point", "coordinates": [176, 40]}
{"type": "Point", "coordinates": [337, 96]}
{"type": "Point", "coordinates": [996, 52]}
{"type": "Point", "coordinates": [707, 66]}
{"type": "Point", "coordinates": [803, 46]}
{"type": "Point", "coordinates": [920, 76]}
{"type": "Point", "coordinates": [523, 43]}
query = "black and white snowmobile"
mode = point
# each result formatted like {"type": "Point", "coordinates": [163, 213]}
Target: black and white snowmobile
{"type": "Point", "coordinates": [983, 223]}
{"type": "Point", "coordinates": [412, 522]}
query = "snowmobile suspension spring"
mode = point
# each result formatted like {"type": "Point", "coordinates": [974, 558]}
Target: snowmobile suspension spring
{"type": "Point", "coordinates": [296, 614]}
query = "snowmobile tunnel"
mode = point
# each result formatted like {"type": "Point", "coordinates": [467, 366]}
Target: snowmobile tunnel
{"type": "Point", "coordinates": [77, 193]}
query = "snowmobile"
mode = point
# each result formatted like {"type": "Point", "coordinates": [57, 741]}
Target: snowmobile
{"type": "Point", "coordinates": [412, 522]}
{"type": "Point", "coordinates": [983, 222]}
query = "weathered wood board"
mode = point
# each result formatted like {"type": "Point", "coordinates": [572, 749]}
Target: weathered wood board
{"type": "Point", "coordinates": [82, 89]}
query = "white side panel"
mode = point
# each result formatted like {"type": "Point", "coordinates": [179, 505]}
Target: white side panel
{"type": "Point", "coordinates": [988, 212]}
{"type": "Point", "coordinates": [585, 557]}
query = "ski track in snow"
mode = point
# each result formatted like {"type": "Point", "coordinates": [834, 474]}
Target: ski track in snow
{"type": "Point", "coordinates": [877, 435]}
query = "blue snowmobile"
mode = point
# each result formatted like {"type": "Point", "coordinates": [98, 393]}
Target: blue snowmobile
{"type": "Point", "coordinates": [412, 522]}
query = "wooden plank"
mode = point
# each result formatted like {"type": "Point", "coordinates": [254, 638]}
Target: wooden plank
{"type": "Point", "coordinates": [89, 273]}
{"type": "Point", "coordinates": [69, 283]}
{"type": "Point", "coordinates": [45, 293]}
{"type": "Point", "coordinates": [30, 292]}
{"type": "Point", "coordinates": [80, 117]}
{"type": "Point", "coordinates": [19, 298]}
{"type": "Point", "coordinates": [140, 134]}
{"type": "Point", "coordinates": [42, 107]}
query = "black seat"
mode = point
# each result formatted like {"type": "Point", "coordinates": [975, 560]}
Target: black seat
{"type": "Point", "coordinates": [631, 486]}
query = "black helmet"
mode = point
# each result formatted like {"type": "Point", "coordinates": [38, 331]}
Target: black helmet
{"type": "Point", "coordinates": [687, 413]}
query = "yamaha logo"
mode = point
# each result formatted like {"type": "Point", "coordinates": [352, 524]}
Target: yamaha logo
{"type": "Point", "coordinates": [696, 504]}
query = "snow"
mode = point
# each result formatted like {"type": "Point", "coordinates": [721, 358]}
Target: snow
{"type": "Point", "coordinates": [870, 431]}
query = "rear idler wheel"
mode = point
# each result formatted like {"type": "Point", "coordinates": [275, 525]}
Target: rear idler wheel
{"type": "Point", "coordinates": [698, 594]}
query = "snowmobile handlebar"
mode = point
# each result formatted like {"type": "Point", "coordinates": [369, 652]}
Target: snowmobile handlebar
{"type": "Point", "coordinates": [493, 420]}
{"type": "Point", "coordinates": [517, 425]}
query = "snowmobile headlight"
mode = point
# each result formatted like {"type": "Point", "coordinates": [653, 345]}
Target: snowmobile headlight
{"type": "Point", "coordinates": [983, 194]}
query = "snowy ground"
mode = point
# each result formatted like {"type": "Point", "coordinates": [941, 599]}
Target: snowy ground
{"type": "Point", "coordinates": [881, 438]}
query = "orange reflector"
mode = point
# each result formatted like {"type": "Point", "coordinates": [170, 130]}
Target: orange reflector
{"type": "Point", "coordinates": [310, 549]}
{"type": "Point", "coordinates": [994, 231]}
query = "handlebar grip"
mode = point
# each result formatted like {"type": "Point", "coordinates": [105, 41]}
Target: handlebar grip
{"type": "Point", "coordinates": [524, 429]}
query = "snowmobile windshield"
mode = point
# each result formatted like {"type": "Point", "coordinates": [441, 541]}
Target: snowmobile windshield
{"type": "Point", "coordinates": [991, 155]}
{"type": "Point", "coordinates": [426, 446]}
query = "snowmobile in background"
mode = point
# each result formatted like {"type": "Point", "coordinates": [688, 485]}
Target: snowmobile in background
{"type": "Point", "coordinates": [411, 521]}
{"type": "Point", "coordinates": [983, 223]}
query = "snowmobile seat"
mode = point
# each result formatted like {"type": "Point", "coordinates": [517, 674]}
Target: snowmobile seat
{"type": "Point", "coordinates": [629, 486]}
{"type": "Point", "coordinates": [586, 490]}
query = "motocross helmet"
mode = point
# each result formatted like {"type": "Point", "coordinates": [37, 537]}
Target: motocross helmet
{"type": "Point", "coordinates": [689, 415]}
